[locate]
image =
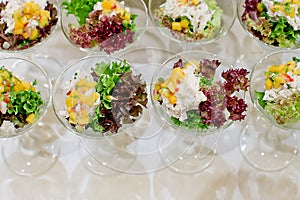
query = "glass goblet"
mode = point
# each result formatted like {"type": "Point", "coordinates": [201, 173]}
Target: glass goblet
{"type": "Point", "coordinates": [192, 22]}
{"type": "Point", "coordinates": [99, 98]}
{"type": "Point", "coordinates": [268, 26]}
{"type": "Point", "coordinates": [269, 142]}
{"type": "Point", "coordinates": [104, 27]}
{"type": "Point", "coordinates": [193, 94]}
{"type": "Point", "coordinates": [27, 25]}
{"type": "Point", "coordinates": [29, 147]}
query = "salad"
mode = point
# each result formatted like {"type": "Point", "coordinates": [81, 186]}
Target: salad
{"type": "Point", "coordinates": [274, 22]}
{"type": "Point", "coordinates": [190, 20]}
{"type": "Point", "coordinates": [194, 99]}
{"type": "Point", "coordinates": [105, 98]}
{"type": "Point", "coordinates": [24, 23]}
{"type": "Point", "coordinates": [107, 25]}
{"type": "Point", "coordinates": [281, 97]}
{"type": "Point", "coordinates": [19, 101]}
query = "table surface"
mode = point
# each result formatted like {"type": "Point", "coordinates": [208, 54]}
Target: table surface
{"type": "Point", "coordinates": [228, 177]}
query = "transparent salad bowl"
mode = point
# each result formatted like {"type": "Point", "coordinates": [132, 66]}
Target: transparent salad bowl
{"type": "Point", "coordinates": [185, 76]}
{"type": "Point", "coordinates": [179, 33]}
{"type": "Point", "coordinates": [26, 93]}
{"type": "Point", "coordinates": [83, 69]}
{"type": "Point", "coordinates": [258, 84]}
{"type": "Point", "coordinates": [93, 31]}
{"type": "Point", "coordinates": [100, 98]}
{"type": "Point", "coordinates": [29, 72]}
{"type": "Point", "coordinates": [273, 31]}
{"type": "Point", "coordinates": [269, 142]}
{"type": "Point", "coordinates": [194, 57]}
{"type": "Point", "coordinates": [33, 24]}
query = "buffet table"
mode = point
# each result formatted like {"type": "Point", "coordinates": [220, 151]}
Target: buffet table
{"type": "Point", "coordinates": [229, 177]}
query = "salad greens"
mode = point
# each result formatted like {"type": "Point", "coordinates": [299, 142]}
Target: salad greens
{"type": "Point", "coordinates": [273, 22]}
{"type": "Point", "coordinates": [79, 8]}
{"type": "Point", "coordinates": [20, 98]}
{"type": "Point", "coordinates": [191, 20]}
{"type": "Point", "coordinates": [106, 98]}
{"type": "Point", "coordinates": [194, 100]}
{"type": "Point", "coordinates": [281, 97]}
{"type": "Point", "coordinates": [105, 25]}
{"type": "Point", "coordinates": [193, 121]}
{"type": "Point", "coordinates": [109, 75]}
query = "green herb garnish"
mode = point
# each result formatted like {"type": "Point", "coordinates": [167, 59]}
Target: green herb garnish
{"type": "Point", "coordinates": [193, 121]}
{"type": "Point", "coordinates": [80, 8]}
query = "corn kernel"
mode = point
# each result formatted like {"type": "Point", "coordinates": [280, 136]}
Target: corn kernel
{"type": "Point", "coordinates": [71, 102]}
{"type": "Point", "coordinates": [176, 26]}
{"type": "Point", "coordinates": [268, 83]}
{"type": "Point", "coordinates": [157, 86]}
{"type": "Point", "coordinates": [282, 69]}
{"type": "Point", "coordinates": [73, 117]}
{"type": "Point", "coordinates": [291, 65]}
{"type": "Point", "coordinates": [18, 87]}
{"type": "Point", "coordinates": [280, 79]}
{"type": "Point", "coordinates": [195, 2]}
{"type": "Point", "coordinates": [259, 7]}
{"type": "Point", "coordinates": [34, 34]}
{"type": "Point", "coordinates": [167, 94]}
{"type": "Point", "coordinates": [30, 118]}
{"type": "Point", "coordinates": [18, 31]}
{"type": "Point", "coordinates": [26, 85]}
{"type": "Point", "coordinates": [107, 4]}
{"type": "Point", "coordinates": [184, 23]}
{"type": "Point", "coordinates": [126, 16]}
{"type": "Point", "coordinates": [172, 99]}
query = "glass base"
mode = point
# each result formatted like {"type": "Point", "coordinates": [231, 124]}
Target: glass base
{"type": "Point", "coordinates": [268, 148]}
{"type": "Point", "coordinates": [191, 154]}
{"type": "Point", "coordinates": [93, 165]}
{"type": "Point", "coordinates": [32, 153]}
{"type": "Point", "coordinates": [108, 153]}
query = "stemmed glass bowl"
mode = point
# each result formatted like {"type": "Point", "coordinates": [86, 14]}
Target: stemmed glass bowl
{"type": "Point", "coordinates": [192, 21]}
{"type": "Point", "coordinates": [198, 94]}
{"type": "Point", "coordinates": [98, 98]}
{"type": "Point", "coordinates": [104, 27]}
{"type": "Point", "coordinates": [269, 141]}
{"type": "Point", "coordinates": [272, 24]}
{"type": "Point", "coordinates": [26, 93]}
{"type": "Point", "coordinates": [26, 25]}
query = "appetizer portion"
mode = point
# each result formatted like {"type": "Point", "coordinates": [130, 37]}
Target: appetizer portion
{"type": "Point", "coordinates": [105, 98]}
{"type": "Point", "coordinates": [106, 25]}
{"type": "Point", "coordinates": [191, 20]}
{"type": "Point", "coordinates": [194, 98]}
{"type": "Point", "coordinates": [20, 103]}
{"type": "Point", "coordinates": [25, 23]}
{"type": "Point", "coordinates": [274, 22]}
{"type": "Point", "coordinates": [281, 97]}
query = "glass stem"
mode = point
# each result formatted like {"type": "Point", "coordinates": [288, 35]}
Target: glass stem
{"type": "Point", "coordinates": [269, 141]}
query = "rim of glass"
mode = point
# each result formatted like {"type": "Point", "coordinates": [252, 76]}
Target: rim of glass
{"type": "Point", "coordinates": [253, 98]}
{"type": "Point", "coordinates": [141, 32]}
{"type": "Point", "coordinates": [43, 113]}
{"type": "Point", "coordinates": [63, 121]}
{"type": "Point", "coordinates": [201, 41]}
{"type": "Point", "coordinates": [196, 132]}
{"type": "Point", "coordinates": [44, 40]}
